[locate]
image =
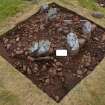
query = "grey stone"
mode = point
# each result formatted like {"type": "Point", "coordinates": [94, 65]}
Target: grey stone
{"type": "Point", "coordinates": [73, 43]}
{"type": "Point", "coordinates": [44, 46]}
{"type": "Point", "coordinates": [87, 27]}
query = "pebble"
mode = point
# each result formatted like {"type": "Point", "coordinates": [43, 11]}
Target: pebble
{"type": "Point", "coordinates": [59, 69]}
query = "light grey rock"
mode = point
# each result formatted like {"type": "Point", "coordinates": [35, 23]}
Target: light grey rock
{"type": "Point", "coordinates": [73, 43]}
{"type": "Point", "coordinates": [44, 46]}
{"type": "Point", "coordinates": [40, 47]}
{"type": "Point", "coordinates": [52, 13]}
{"type": "Point", "coordinates": [87, 27]}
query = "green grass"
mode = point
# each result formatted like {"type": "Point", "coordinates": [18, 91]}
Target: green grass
{"type": "Point", "coordinates": [9, 8]}
{"type": "Point", "coordinates": [91, 5]}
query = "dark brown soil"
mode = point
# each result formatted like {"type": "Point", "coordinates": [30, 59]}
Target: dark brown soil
{"type": "Point", "coordinates": [58, 75]}
{"type": "Point", "coordinates": [101, 3]}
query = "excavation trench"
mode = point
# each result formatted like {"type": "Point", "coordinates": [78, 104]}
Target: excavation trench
{"type": "Point", "coordinates": [55, 75]}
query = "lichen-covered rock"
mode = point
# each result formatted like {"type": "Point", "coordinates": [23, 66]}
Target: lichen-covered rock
{"type": "Point", "coordinates": [73, 43]}
{"type": "Point", "coordinates": [40, 47]}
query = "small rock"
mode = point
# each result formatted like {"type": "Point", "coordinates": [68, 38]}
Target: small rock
{"type": "Point", "coordinates": [34, 47]}
{"type": "Point", "coordinates": [44, 67]}
{"type": "Point", "coordinates": [96, 39]}
{"type": "Point", "coordinates": [44, 7]}
{"type": "Point", "coordinates": [47, 81]}
{"type": "Point", "coordinates": [52, 13]}
{"type": "Point", "coordinates": [5, 40]}
{"type": "Point", "coordinates": [60, 29]}
{"type": "Point", "coordinates": [68, 22]}
{"type": "Point", "coordinates": [98, 15]}
{"type": "Point", "coordinates": [57, 98]}
{"type": "Point", "coordinates": [59, 69]}
{"type": "Point", "coordinates": [24, 67]}
{"type": "Point", "coordinates": [42, 27]}
{"type": "Point", "coordinates": [8, 46]}
{"type": "Point", "coordinates": [73, 43]}
{"type": "Point", "coordinates": [17, 39]}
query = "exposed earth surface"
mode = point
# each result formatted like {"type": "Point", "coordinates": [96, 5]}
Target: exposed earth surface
{"type": "Point", "coordinates": [54, 75]}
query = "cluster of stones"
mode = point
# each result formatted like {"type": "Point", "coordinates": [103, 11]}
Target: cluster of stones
{"type": "Point", "coordinates": [74, 43]}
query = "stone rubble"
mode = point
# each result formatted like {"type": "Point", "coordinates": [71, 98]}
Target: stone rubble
{"type": "Point", "coordinates": [73, 43]}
